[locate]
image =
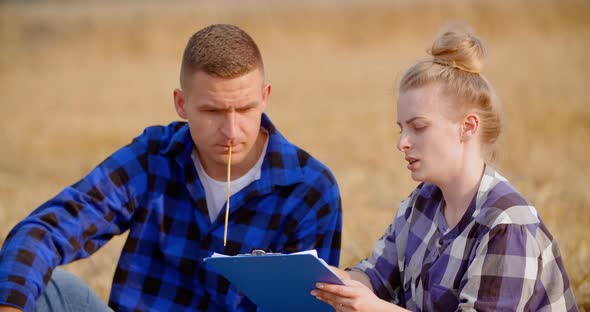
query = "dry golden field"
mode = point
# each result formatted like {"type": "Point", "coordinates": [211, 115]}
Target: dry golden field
{"type": "Point", "coordinates": [79, 79]}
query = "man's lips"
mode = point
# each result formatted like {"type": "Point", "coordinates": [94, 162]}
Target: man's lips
{"type": "Point", "coordinates": [225, 147]}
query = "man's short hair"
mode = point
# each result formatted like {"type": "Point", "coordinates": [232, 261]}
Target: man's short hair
{"type": "Point", "coordinates": [220, 50]}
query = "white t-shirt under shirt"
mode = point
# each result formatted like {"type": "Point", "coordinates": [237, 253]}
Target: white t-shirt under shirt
{"type": "Point", "coordinates": [216, 191]}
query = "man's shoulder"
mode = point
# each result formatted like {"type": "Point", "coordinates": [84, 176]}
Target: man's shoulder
{"type": "Point", "coordinates": [311, 164]}
{"type": "Point", "coordinates": [159, 138]}
{"type": "Point", "coordinates": [292, 161]}
{"type": "Point", "coordinates": [306, 160]}
{"type": "Point", "coordinates": [163, 132]}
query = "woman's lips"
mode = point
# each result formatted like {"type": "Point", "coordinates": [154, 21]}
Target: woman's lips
{"type": "Point", "coordinates": [412, 163]}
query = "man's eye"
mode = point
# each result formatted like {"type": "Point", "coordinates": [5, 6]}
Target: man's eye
{"type": "Point", "coordinates": [245, 109]}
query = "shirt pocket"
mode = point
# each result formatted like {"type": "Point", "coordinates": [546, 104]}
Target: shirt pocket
{"type": "Point", "coordinates": [443, 298]}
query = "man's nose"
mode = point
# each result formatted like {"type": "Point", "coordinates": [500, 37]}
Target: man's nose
{"type": "Point", "coordinates": [230, 127]}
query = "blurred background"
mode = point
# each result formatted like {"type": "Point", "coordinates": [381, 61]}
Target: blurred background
{"type": "Point", "coordinates": [78, 79]}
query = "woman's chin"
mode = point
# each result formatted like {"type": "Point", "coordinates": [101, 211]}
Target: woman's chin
{"type": "Point", "coordinates": [418, 177]}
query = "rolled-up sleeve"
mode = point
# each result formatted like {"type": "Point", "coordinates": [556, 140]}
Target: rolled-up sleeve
{"type": "Point", "coordinates": [383, 266]}
{"type": "Point", "coordinates": [72, 225]}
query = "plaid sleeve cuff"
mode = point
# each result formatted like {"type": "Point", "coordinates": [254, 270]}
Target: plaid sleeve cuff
{"type": "Point", "coordinates": [15, 295]}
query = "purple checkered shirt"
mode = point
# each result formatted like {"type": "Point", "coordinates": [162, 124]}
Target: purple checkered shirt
{"type": "Point", "coordinates": [499, 257]}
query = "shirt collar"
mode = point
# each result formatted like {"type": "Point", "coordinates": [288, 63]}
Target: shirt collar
{"type": "Point", "coordinates": [283, 163]}
{"type": "Point", "coordinates": [488, 181]}
{"type": "Point", "coordinates": [181, 142]}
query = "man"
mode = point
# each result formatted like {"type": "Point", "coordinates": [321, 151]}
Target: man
{"type": "Point", "coordinates": [167, 188]}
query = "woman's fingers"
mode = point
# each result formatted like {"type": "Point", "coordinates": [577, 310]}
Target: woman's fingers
{"type": "Point", "coordinates": [336, 295]}
{"type": "Point", "coordinates": [353, 296]}
{"type": "Point", "coordinates": [324, 295]}
{"type": "Point", "coordinates": [348, 290]}
{"type": "Point", "coordinates": [335, 301]}
{"type": "Point", "coordinates": [354, 283]}
{"type": "Point", "coordinates": [339, 290]}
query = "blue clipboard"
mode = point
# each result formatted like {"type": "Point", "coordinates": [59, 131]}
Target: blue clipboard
{"type": "Point", "coordinates": [277, 282]}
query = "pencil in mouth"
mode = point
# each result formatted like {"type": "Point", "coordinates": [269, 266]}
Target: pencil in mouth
{"type": "Point", "coordinates": [227, 197]}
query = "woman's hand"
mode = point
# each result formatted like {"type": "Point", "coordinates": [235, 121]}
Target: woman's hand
{"type": "Point", "coordinates": [353, 296]}
{"type": "Point", "coordinates": [343, 275]}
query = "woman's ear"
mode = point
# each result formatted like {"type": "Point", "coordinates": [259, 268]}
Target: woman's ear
{"type": "Point", "coordinates": [470, 127]}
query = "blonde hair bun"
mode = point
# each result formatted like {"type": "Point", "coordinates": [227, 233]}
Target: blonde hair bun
{"type": "Point", "coordinates": [463, 51]}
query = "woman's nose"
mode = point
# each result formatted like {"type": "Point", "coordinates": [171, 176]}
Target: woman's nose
{"type": "Point", "coordinates": [403, 144]}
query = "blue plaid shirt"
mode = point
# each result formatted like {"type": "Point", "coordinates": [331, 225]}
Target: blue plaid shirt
{"type": "Point", "coordinates": [150, 187]}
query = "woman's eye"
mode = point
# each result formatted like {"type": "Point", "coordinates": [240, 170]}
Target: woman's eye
{"type": "Point", "coordinates": [419, 127]}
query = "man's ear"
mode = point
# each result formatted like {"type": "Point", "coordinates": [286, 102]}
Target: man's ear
{"type": "Point", "coordinates": [266, 89]}
{"type": "Point", "coordinates": [470, 127]}
{"type": "Point", "coordinates": [179, 102]}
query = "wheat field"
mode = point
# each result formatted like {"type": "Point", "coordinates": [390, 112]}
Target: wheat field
{"type": "Point", "coordinates": [80, 79]}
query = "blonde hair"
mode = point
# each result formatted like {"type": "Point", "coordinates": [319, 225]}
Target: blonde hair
{"type": "Point", "coordinates": [456, 63]}
{"type": "Point", "coordinates": [221, 50]}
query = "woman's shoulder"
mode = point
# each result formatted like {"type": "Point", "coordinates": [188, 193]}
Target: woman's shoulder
{"type": "Point", "coordinates": [500, 206]}
{"type": "Point", "coordinates": [501, 203]}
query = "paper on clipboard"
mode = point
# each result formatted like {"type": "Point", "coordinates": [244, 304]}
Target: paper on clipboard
{"type": "Point", "coordinates": [277, 282]}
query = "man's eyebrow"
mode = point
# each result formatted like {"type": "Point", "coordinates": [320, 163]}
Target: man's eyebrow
{"type": "Point", "coordinates": [215, 107]}
{"type": "Point", "coordinates": [208, 106]}
{"type": "Point", "coordinates": [251, 104]}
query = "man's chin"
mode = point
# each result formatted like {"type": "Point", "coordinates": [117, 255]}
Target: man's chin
{"type": "Point", "coordinates": [236, 159]}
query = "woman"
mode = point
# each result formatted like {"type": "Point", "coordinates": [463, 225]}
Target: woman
{"type": "Point", "coordinates": [465, 239]}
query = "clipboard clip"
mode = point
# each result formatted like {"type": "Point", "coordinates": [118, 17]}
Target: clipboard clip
{"type": "Point", "coordinates": [258, 252]}
{"type": "Point", "coordinates": [261, 252]}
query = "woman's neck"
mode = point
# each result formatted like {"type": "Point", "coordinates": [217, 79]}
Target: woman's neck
{"type": "Point", "coordinates": [459, 191]}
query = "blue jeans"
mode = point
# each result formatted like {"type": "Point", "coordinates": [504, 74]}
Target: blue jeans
{"type": "Point", "coordinates": [68, 293]}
